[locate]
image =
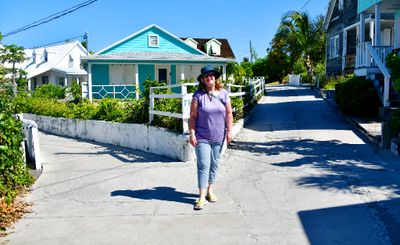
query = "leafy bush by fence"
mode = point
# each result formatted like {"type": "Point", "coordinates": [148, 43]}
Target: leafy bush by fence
{"type": "Point", "coordinates": [358, 97]}
{"type": "Point", "coordinates": [13, 172]}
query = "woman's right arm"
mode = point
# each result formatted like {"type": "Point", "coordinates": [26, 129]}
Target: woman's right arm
{"type": "Point", "coordinates": [192, 122]}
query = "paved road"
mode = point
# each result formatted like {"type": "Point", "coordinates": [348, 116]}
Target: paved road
{"type": "Point", "coordinates": [297, 174]}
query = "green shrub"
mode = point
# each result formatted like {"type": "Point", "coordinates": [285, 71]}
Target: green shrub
{"type": "Point", "coordinates": [111, 110]}
{"type": "Point", "coordinates": [393, 63]}
{"type": "Point", "coordinates": [137, 113]}
{"type": "Point", "coordinates": [82, 110]}
{"type": "Point", "coordinates": [50, 91]}
{"type": "Point", "coordinates": [395, 122]}
{"type": "Point", "coordinates": [330, 82]}
{"type": "Point", "coordinates": [358, 97]}
{"type": "Point", "coordinates": [13, 172]}
{"type": "Point", "coordinates": [75, 90]}
{"type": "Point", "coordinates": [237, 107]}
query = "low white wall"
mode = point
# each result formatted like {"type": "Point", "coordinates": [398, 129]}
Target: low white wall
{"type": "Point", "coordinates": [135, 136]}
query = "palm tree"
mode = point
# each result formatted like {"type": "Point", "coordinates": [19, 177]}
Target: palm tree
{"type": "Point", "coordinates": [306, 38]}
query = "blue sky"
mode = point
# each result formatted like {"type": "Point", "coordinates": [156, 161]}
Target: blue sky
{"type": "Point", "coordinates": [108, 21]}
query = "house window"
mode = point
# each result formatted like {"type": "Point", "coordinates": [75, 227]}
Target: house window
{"type": "Point", "coordinates": [122, 74]}
{"type": "Point", "coordinates": [71, 62]}
{"type": "Point", "coordinates": [341, 4]}
{"type": "Point", "coordinates": [60, 81]}
{"type": "Point", "coordinates": [34, 57]}
{"type": "Point", "coordinates": [334, 47]}
{"type": "Point", "coordinates": [153, 40]}
{"type": "Point", "coordinates": [45, 80]}
{"type": "Point", "coordinates": [45, 56]}
{"type": "Point", "coordinates": [35, 83]}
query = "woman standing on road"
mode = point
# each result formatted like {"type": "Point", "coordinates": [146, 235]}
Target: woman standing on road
{"type": "Point", "coordinates": [210, 123]}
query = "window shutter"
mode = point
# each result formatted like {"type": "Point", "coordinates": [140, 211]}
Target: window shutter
{"type": "Point", "coordinates": [153, 41]}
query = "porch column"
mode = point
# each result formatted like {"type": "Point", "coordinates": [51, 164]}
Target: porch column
{"type": "Point", "coordinates": [90, 82]}
{"type": "Point", "coordinates": [344, 51]}
{"type": "Point", "coordinates": [29, 84]}
{"type": "Point", "coordinates": [65, 81]}
{"type": "Point", "coordinates": [182, 71]}
{"type": "Point", "coordinates": [77, 80]}
{"type": "Point", "coordinates": [137, 88]}
{"type": "Point", "coordinates": [362, 28]}
{"type": "Point", "coordinates": [224, 72]}
{"type": "Point", "coordinates": [378, 24]}
{"type": "Point", "coordinates": [371, 32]}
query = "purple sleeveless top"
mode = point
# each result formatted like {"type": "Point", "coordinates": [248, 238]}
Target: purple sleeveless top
{"type": "Point", "coordinates": [211, 114]}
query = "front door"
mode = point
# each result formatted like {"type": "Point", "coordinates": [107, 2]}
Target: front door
{"type": "Point", "coordinates": [163, 74]}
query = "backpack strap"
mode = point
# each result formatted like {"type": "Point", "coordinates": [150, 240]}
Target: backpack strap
{"type": "Point", "coordinates": [217, 97]}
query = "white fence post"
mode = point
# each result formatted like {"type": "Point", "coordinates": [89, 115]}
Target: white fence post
{"type": "Point", "coordinates": [151, 107]}
{"type": "Point", "coordinates": [32, 142]}
{"type": "Point", "coordinates": [186, 101]}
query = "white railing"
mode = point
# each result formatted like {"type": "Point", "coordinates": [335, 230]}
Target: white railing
{"type": "Point", "coordinates": [257, 88]}
{"type": "Point", "coordinates": [364, 59]}
{"type": "Point", "coordinates": [117, 91]}
{"type": "Point", "coordinates": [185, 97]}
{"type": "Point", "coordinates": [369, 56]}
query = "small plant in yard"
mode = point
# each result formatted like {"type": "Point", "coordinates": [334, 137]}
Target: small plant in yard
{"type": "Point", "coordinates": [50, 91]}
{"type": "Point", "coordinates": [331, 82]}
{"type": "Point", "coordinates": [393, 63]}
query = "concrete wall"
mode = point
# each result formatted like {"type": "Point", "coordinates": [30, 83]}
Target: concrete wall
{"type": "Point", "coordinates": [135, 136]}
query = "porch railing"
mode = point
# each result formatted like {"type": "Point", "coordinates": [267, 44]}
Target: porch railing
{"type": "Point", "coordinates": [114, 91]}
{"type": "Point", "coordinates": [364, 59]}
{"type": "Point", "coordinates": [375, 56]}
{"type": "Point", "coordinates": [257, 87]}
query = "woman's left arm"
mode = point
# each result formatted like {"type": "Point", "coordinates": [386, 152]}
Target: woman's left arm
{"type": "Point", "coordinates": [229, 122]}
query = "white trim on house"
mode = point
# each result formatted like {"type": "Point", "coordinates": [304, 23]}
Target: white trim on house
{"type": "Point", "coordinates": [190, 41]}
{"type": "Point", "coordinates": [333, 47]}
{"type": "Point", "coordinates": [328, 14]}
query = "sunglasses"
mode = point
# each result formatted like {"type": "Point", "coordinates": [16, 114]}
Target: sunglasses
{"type": "Point", "coordinates": [208, 75]}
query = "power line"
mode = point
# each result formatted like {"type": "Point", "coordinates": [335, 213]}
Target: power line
{"type": "Point", "coordinates": [62, 41]}
{"type": "Point", "coordinates": [51, 17]}
{"type": "Point", "coordinates": [305, 4]}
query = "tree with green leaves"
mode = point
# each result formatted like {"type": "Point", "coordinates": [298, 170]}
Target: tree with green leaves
{"type": "Point", "coordinates": [279, 60]}
{"type": "Point", "coordinates": [247, 66]}
{"type": "Point", "coordinates": [305, 38]}
{"type": "Point", "coordinates": [12, 54]}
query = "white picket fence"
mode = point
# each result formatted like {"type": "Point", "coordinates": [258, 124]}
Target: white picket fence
{"type": "Point", "coordinates": [257, 86]}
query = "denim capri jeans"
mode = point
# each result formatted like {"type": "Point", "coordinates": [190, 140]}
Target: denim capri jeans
{"type": "Point", "coordinates": [207, 154]}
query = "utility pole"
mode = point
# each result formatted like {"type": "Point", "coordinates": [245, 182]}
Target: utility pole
{"type": "Point", "coordinates": [86, 38]}
{"type": "Point", "coordinates": [251, 53]}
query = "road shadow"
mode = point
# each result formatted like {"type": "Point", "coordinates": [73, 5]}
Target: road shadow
{"type": "Point", "coordinates": [347, 166]}
{"type": "Point", "coordinates": [353, 224]}
{"type": "Point", "coordinates": [123, 154]}
{"type": "Point", "coordinates": [162, 193]}
{"type": "Point", "coordinates": [283, 116]}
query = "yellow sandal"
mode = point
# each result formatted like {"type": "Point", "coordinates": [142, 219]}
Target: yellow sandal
{"type": "Point", "coordinates": [200, 204]}
{"type": "Point", "coordinates": [211, 198]}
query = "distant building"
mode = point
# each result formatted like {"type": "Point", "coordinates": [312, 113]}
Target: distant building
{"type": "Point", "coordinates": [360, 34]}
{"type": "Point", "coordinates": [57, 64]}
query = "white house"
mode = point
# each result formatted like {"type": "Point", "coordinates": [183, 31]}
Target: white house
{"type": "Point", "coordinates": [57, 64]}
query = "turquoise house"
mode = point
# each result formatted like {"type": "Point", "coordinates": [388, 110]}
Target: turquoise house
{"type": "Point", "coordinates": [119, 70]}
